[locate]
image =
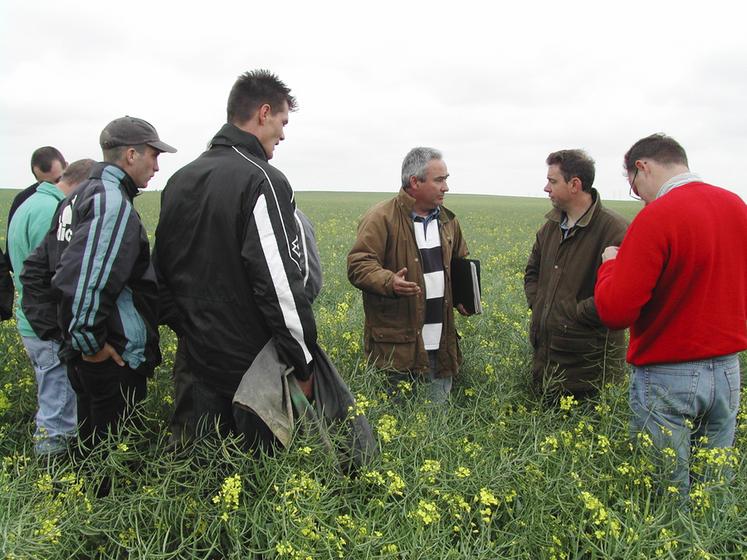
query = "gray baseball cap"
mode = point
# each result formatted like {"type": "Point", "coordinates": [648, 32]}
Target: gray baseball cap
{"type": "Point", "coordinates": [131, 131]}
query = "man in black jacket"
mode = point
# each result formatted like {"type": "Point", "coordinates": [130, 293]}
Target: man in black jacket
{"type": "Point", "coordinates": [91, 283]}
{"type": "Point", "coordinates": [230, 254]}
{"type": "Point", "coordinates": [6, 289]}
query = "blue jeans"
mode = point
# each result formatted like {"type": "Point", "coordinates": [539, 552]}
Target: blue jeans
{"type": "Point", "coordinates": [56, 417]}
{"type": "Point", "coordinates": [679, 403]}
{"type": "Point", "coordinates": [437, 389]}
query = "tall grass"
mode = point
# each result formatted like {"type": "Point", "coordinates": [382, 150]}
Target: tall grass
{"type": "Point", "coordinates": [496, 474]}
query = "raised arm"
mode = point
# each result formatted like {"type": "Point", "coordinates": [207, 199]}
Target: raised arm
{"type": "Point", "coordinates": [366, 259]}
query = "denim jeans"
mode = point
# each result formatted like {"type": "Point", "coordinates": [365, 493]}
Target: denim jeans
{"type": "Point", "coordinates": [56, 417]}
{"type": "Point", "coordinates": [677, 404]}
{"type": "Point", "coordinates": [437, 389]}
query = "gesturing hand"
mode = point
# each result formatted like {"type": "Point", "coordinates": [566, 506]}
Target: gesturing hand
{"type": "Point", "coordinates": [402, 287]}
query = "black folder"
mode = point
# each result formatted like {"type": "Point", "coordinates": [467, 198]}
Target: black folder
{"type": "Point", "coordinates": [465, 284]}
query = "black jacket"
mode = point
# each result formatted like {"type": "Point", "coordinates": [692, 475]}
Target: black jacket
{"type": "Point", "coordinates": [6, 289]}
{"type": "Point", "coordinates": [229, 253]}
{"type": "Point", "coordinates": [91, 280]}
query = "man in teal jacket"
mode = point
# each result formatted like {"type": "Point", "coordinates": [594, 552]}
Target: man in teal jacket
{"type": "Point", "coordinates": [56, 418]}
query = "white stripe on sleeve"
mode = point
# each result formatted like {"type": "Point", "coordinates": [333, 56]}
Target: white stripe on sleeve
{"type": "Point", "coordinates": [278, 275]}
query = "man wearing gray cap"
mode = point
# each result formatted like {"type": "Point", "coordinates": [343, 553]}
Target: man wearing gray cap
{"type": "Point", "coordinates": [91, 283]}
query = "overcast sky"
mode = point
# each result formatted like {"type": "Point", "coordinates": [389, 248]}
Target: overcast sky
{"type": "Point", "coordinates": [496, 86]}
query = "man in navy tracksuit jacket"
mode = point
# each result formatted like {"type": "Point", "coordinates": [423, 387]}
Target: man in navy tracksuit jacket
{"type": "Point", "coordinates": [230, 253]}
{"type": "Point", "coordinates": [91, 283]}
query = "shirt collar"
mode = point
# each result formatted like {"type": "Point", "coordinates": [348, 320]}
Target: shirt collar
{"type": "Point", "coordinates": [678, 181]}
{"type": "Point", "coordinates": [432, 215]}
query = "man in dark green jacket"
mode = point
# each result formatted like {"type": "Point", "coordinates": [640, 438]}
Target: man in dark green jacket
{"type": "Point", "coordinates": [573, 352]}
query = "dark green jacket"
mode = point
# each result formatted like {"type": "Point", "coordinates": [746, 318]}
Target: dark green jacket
{"type": "Point", "coordinates": [568, 338]}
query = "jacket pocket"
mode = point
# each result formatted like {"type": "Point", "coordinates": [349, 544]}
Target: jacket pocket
{"type": "Point", "coordinates": [393, 347]}
{"type": "Point", "coordinates": [383, 307]}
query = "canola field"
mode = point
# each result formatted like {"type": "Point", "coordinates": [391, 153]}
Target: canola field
{"type": "Point", "coordinates": [496, 474]}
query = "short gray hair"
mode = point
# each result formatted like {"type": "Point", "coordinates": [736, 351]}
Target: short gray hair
{"type": "Point", "coordinates": [415, 163]}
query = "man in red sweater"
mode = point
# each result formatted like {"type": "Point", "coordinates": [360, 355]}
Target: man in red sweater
{"type": "Point", "coordinates": [679, 281]}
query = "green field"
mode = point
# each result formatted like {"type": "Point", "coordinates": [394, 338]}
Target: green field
{"type": "Point", "coordinates": [494, 475]}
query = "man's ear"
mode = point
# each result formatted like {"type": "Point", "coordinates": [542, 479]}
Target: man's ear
{"type": "Point", "coordinates": [264, 112]}
{"type": "Point", "coordinates": [576, 185]}
{"type": "Point", "coordinates": [413, 182]}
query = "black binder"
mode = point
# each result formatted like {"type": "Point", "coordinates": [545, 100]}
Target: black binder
{"type": "Point", "coordinates": [465, 284]}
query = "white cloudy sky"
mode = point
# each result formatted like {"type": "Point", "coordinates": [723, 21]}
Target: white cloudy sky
{"type": "Point", "coordinates": [496, 86]}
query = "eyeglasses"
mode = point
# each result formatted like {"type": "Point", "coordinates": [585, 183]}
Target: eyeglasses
{"type": "Point", "coordinates": [633, 191]}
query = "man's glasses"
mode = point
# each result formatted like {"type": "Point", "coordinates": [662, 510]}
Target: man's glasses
{"type": "Point", "coordinates": [633, 191]}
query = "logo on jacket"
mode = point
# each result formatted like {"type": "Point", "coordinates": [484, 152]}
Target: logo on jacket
{"type": "Point", "coordinates": [64, 222]}
{"type": "Point", "coordinates": [296, 248]}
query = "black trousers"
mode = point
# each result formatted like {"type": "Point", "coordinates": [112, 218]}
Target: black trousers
{"type": "Point", "coordinates": [105, 392]}
{"type": "Point", "coordinates": [181, 423]}
{"type": "Point", "coordinates": [213, 406]}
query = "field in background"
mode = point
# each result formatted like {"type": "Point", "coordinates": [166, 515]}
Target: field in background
{"type": "Point", "coordinates": [494, 475]}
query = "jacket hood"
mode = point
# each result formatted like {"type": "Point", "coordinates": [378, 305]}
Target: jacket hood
{"type": "Point", "coordinates": [111, 171]}
{"type": "Point", "coordinates": [231, 135]}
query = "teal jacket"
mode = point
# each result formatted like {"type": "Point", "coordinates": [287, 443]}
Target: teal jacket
{"type": "Point", "coordinates": [29, 225]}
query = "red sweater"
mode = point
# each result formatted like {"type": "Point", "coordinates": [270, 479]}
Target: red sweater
{"type": "Point", "coordinates": [680, 278]}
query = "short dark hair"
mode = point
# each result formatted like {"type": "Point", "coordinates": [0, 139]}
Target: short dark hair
{"type": "Point", "coordinates": [44, 157]}
{"type": "Point", "coordinates": [78, 171]}
{"type": "Point", "coordinates": [113, 155]}
{"type": "Point", "coordinates": [254, 89]}
{"type": "Point", "coordinates": [574, 163]}
{"type": "Point", "coordinates": [658, 147]}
